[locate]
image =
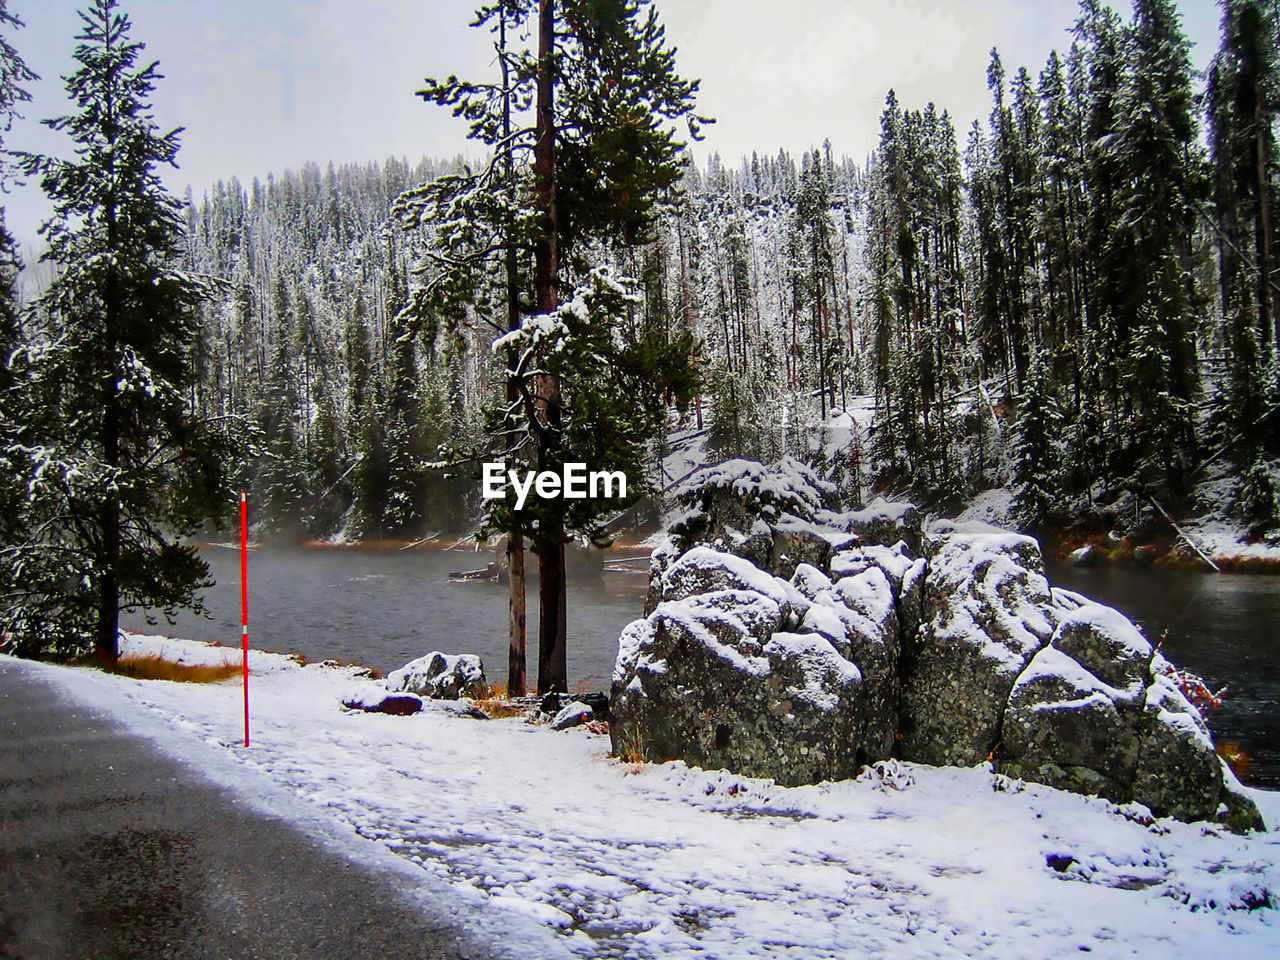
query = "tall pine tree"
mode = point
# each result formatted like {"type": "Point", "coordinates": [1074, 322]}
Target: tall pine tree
{"type": "Point", "coordinates": [596, 156]}
{"type": "Point", "coordinates": [116, 463]}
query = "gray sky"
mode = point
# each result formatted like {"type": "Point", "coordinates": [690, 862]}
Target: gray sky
{"type": "Point", "coordinates": [263, 85]}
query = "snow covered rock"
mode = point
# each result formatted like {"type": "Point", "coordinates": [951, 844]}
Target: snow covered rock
{"type": "Point", "coordinates": [572, 715]}
{"type": "Point", "coordinates": [704, 570]}
{"type": "Point", "coordinates": [456, 708]}
{"type": "Point", "coordinates": [858, 616]}
{"type": "Point", "coordinates": [795, 541]}
{"type": "Point", "coordinates": [904, 572]}
{"type": "Point", "coordinates": [441, 676]}
{"type": "Point", "coordinates": [1068, 729]}
{"type": "Point", "coordinates": [1178, 772]}
{"type": "Point", "coordinates": [714, 681]}
{"type": "Point", "coordinates": [943, 645]}
{"type": "Point", "coordinates": [772, 516]}
{"type": "Point", "coordinates": [1106, 643]}
{"type": "Point", "coordinates": [886, 522]}
{"type": "Point", "coordinates": [985, 605]}
{"type": "Point", "coordinates": [1095, 713]}
{"type": "Point", "coordinates": [1087, 556]}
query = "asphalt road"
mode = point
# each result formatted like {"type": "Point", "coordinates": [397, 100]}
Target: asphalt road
{"type": "Point", "coordinates": [110, 849]}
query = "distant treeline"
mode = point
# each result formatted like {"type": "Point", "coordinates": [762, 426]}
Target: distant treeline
{"type": "Point", "coordinates": [1076, 298]}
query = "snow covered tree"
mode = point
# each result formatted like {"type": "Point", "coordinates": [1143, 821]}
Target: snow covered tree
{"type": "Point", "coordinates": [813, 274]}
{"type": "Point", "coordinates": [115, 462]}
{"type": "Point", "coordinates": [14, 74]}
{"type": "Point", "coordinates": [1037, 450]}
{"type": "Point", "coordinates": [1144, 282]}
{"type": "Point", "coordinates": [594, 105]}
{"type": "Point", "coordinates": [1243, 94]}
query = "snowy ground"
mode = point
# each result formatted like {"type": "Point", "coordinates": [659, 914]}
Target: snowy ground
{"type": "Point", "coordinates": [667, 861]}
{"type": "Point", "coordinates": [1224, 540]}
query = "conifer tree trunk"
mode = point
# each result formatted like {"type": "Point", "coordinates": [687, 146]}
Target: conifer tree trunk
{"type": "Point", "coordinates": [1268, 303]}
{"type": "Point", "coordinates": [517, 634]}
{"type": "Point", "coordinates": [552, 663]}
{"type": "Point", "coordinates": [106, 643]}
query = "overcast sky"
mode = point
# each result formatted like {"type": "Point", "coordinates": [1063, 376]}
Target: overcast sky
{"type": "Point", "coordinates": [263, 85]}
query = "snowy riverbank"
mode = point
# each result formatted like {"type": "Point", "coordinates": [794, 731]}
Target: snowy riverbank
{"type": "Point", "coordinates": [666, 861]}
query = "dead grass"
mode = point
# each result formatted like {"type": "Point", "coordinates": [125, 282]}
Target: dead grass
{"type": "Point", "coordinates": [497, 709]}
{"type": "Point", "coordinates": [495, 702]}
{"type": "Point", "coordinates": [156, 667]}
{"type": "Point", "coordinates": [631, 752]}
{"type": "Point", "coordinates": [1236, 759]}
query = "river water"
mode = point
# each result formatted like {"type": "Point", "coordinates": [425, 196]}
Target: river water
{"type": "Point", "coordinates": [384, 608]}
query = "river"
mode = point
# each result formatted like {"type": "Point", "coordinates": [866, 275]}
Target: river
{"type": "Point", "coordinates": [384, 608]}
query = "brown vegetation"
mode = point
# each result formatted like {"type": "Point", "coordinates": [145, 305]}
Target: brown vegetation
{"type": "Point", "coordinates": [156, 667]}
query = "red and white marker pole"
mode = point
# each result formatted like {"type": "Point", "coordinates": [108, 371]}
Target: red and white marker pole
{"type": "Point", "coordinates": [244, 603]}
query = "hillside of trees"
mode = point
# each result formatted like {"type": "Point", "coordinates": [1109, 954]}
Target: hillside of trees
{"type": "Point", "coordinates": [1076, 299]}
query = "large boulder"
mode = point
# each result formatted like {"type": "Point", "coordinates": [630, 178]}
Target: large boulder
{"type": "Point", "coordinates": [732, 503]}
{"type": "Point", "coordinates": [1106, 643]}
{"type": "Point", "coordinates": [904, 572]}
{"type": "Point", "coordinates": [440, 676]}
{"type": "Point", "coordinates": [705, 570]}
{"type": "Point", "coordinates": [785, 640]}
{"type": "Point", "coordinates": [1178, 772]}
{"type": "Point", "coordinates": [886, 522]}
{"type": "Point", "coordinates": [713, 681]}
{"type": "Point", "coordinates": [984, 605]}
{"type": "Point", "coordinates": [794, 541]}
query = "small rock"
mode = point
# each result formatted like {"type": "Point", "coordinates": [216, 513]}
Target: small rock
{"type": "Point", "coordinates": [552, 702]}
{"type": "Point", "coordinates": [1086, 556]}
{"type": "Point", "coordinates": [459, 708]}
{"type": "Point", "coordinates": [1144, 555]}
{"type": "Point", "coordinates": [396, 704]}
{"type": "Point", "coordinates": [572, 715]}
{"type": "Point", "coordinates": [441, 676]}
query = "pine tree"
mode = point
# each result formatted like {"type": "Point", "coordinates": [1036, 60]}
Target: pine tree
{"type": "Point", "coordinates": [815, 267]}
{"type": "Point", "coordinates": [1037, 451]}
{"type": "Point", "coordinates": [117, 464]}
{"type": "Point", "coordinates": [1156, 302]}
{"type": "Point", "coordinates": [14, 74]}
{"type": "Point", "coordinates": [1243, 94]}
{"type": "Point", "coordinates": [604, 95]}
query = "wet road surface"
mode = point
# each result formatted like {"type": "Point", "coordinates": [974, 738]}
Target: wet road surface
{"type": "Point", "coordinates": [110, 849]}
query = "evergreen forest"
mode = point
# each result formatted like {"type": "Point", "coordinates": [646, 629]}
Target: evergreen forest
{"type": "Point", "coordinates": [1077, 299]}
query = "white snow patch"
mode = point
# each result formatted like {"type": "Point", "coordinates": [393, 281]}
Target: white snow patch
{"type": "Point", "coordinates": [991, 507]}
